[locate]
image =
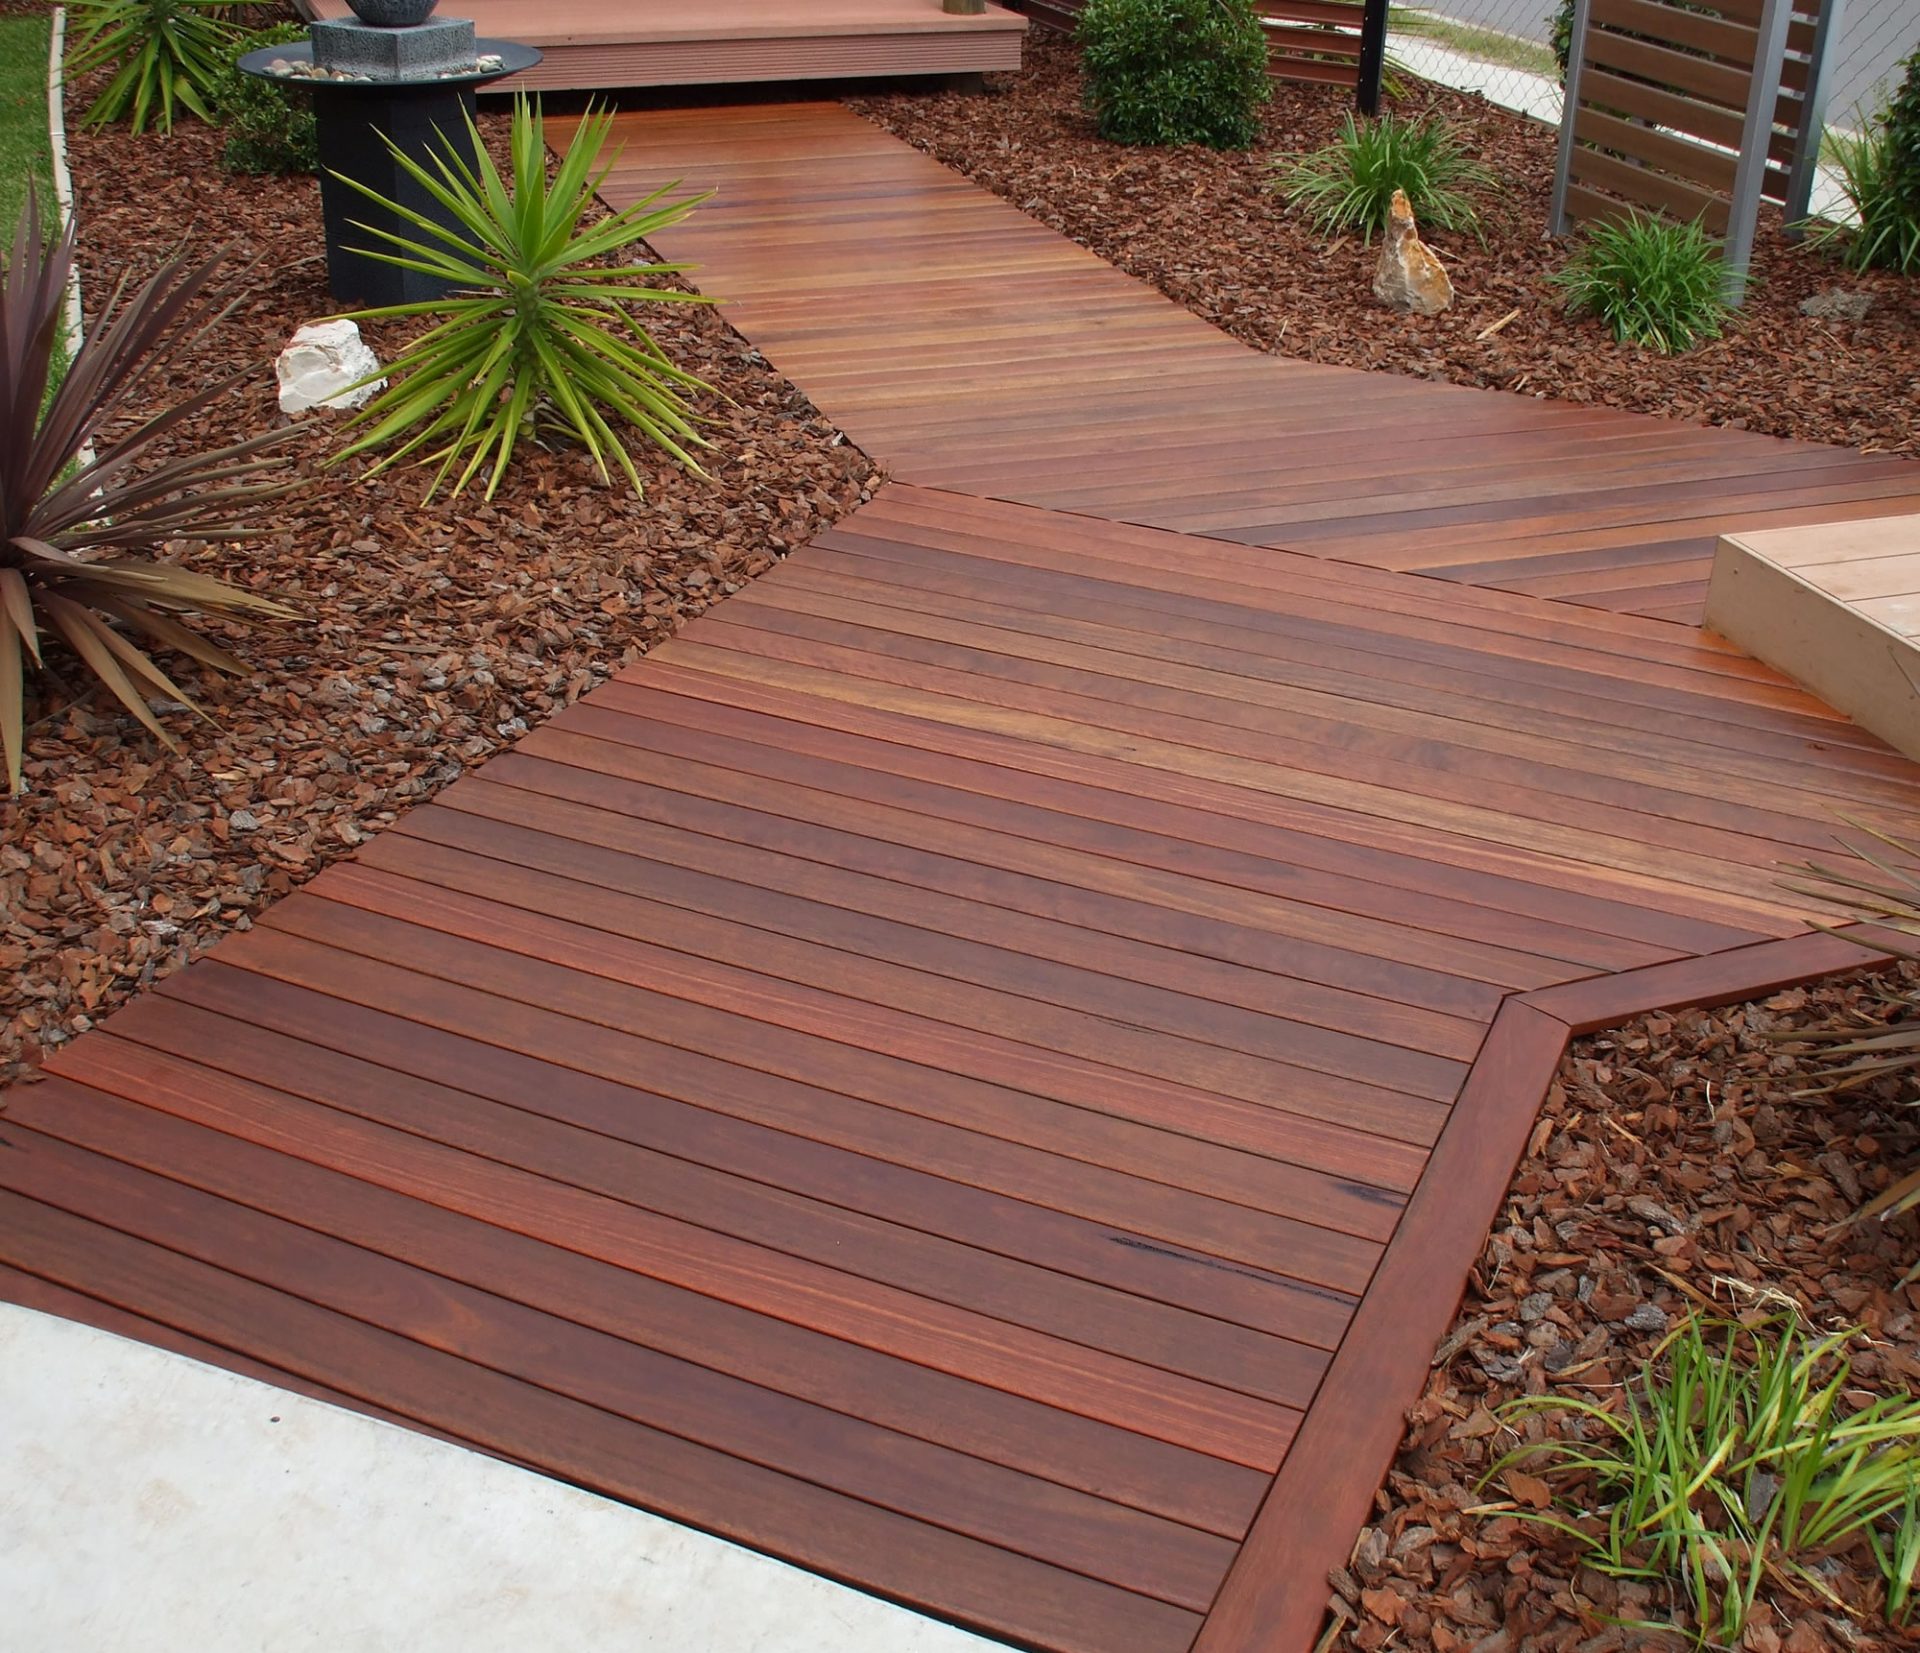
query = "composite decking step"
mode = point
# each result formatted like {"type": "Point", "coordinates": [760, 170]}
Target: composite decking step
{"type": "Point", "coordinates": [1835, 606]}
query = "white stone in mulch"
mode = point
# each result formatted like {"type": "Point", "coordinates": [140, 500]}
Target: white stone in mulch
{"type": "Point", "coordinates": [152, 1504]}
{"type": "Point", "coordinates": [326, 364]}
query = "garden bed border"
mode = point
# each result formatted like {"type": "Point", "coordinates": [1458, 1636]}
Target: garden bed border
{"type": "Point", "coordinates": [1275, 1594]}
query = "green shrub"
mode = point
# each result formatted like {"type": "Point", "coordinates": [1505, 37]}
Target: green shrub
{"type": "Point", "coordinates": [1560, 34]}
{"type": "Point", "coordinates": [163, 53]}
{"type": "Point", "coordinates": [1880, 173]}
{"type": "Point", "coordinates": [1902, 122]}
{"type": "Point", "coordinates": [270, 127]}
{"type": "Point", "coordinates": [537, 330]}
{"type": "Point", "coordinates": [1174, 71]}
{"type": "Point", "coordinates": [1729, 1460]}
{"type": "Point", "coordinates": [1348, 185]}
{"type": "Point", "coordinates": [1653, 281]}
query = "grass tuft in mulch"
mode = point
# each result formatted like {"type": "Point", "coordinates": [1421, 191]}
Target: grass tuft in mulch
{"type": "Point", "coordinates": [1207, 229]}
{"type": "Point", "coordinates": [1672, 1169]}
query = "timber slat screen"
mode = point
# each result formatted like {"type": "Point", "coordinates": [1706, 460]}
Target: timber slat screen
{"type": "Point", "coordinates": [1326, 42]}
{"type": "Point", "coordinates": [981, 1065]}
{"type": "Point", "coordinates": [1667, 99]}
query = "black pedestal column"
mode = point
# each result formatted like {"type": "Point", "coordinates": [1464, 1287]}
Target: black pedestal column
{"type": "Point", "coordinates": [425, 117]}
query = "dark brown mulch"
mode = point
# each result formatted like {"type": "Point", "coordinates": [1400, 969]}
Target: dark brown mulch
{"type": "Point", "coordinates": [430, 636]}
{"type": "Point", "coordinates": [1672, 1169]}
{"type": "Point", "coordinates": [1207, 229]}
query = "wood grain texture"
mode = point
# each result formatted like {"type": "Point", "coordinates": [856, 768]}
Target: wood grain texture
{"type": "Point", "coordinates": [593, 45]}
{"type": "Point", "coordinates": [970, 348]}
{"type": "Point", "coordinates": [980, 1067]}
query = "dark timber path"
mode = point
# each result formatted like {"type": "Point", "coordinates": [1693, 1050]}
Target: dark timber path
{"type": "Point", "coordinates": [980, 1067]}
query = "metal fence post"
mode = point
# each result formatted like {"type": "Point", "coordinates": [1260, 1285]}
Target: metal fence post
{"type": "Point", "coordinates": [1373, 57]}
{"type": "Point", "coordinates": [1756, 140]}
{"type": "Point", "coordinates": [1569, 110]}
{"type": "Point", "coordinates": [1813, 113]}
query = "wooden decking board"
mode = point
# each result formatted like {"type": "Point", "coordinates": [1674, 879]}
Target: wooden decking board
{"type": "Point", "coordinates": [956, 937]}
{"type": "Point", "coordinates": [952, 1243]}
{"type": "Point", "coordinates": [980, 1067]}
{"type": "Point", "coordinates": [987, 355]}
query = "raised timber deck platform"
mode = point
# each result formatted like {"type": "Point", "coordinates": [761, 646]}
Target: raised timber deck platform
{"type": "Point", "coordinates": [606, 45]}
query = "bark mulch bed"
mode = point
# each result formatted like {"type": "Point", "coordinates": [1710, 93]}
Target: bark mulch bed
{"type": "Point", "coordinates": [1671, 1169]}
{"type": "Point", "coordinates": [430, 636]}
{"type": "Point", "coordinates": [1207, 229]}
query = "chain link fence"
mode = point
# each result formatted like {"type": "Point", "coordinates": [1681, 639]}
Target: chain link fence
{"type": "Point", "coordinates": [1504, 49]}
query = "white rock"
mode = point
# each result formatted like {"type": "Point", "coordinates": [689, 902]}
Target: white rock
{"type": "Point", "coordinates": [321, 361]}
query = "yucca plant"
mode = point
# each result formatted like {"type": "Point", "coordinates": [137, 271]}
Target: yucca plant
{"type": "Point", "coordinates": [1652, 280]}
{"type": "Point", "coordinates": [1730, 1460]}
{"type": "Point", "coordinates": [538, 331]}
{"type": "Point", "coordinates": [75, 511]}
{"type": "Point", "coordinates": [1879, 886]}
{"type": "Point", "coordinates": [164, 53]}
{"type": "Point", "coordinates": [1347, 186]}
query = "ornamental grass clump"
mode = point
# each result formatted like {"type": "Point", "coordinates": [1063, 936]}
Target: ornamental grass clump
{"type": "Point", "coordinates": [1347, 186]}
{"type": "Point", "coordinates": [1174, 71]}
{"type": "Point", "coordinates": [538, 333]}
{"type": "Point", "coordinates": [1739, 1457]}
{"type": "Point", "coordinates": [165, 55]}
{"type": "Point", "coordinates": [1651, 280]}
{"type": "Point", "coordinates": [75, 517]}
{"type": "Point", "coordinates": [1880, 176]}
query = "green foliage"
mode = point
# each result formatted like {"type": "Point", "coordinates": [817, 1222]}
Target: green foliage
{"type": "Point", "coordinates": [538, 330]}
{"type": "Point", "coordinates": [1902, 123]}
{"type": "Point", "coordinates": [1560, 33]}
{"type": "Point", "coordinates": [1174, 71]}
{"type": "Point", "coordinates": [270, 127]}
{"type": "Point", "coordinates": [1653, 281]}
{"type": "Point", "coordinates": [1882, 889]}
{"type": "Point", "coordinates": [25, 153]}
{"type": "Point", "coordinates": [74, 516]}
{"type": "Point", "coordinates": [1731, 1458]}
{"type": "Point", "coordinates": [1880, 173]}
{"type": "Point", "coordinates": [164, 54]}
{"type": "Point", "coordinates": [1348, 185]}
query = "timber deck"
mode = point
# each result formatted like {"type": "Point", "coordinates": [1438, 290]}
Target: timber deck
{"type": "Point", "coordinates": [611, 45]}
{"type": "Point", "coordinates": [980, 1067]}
{"type": "Point", "coordinates": [968, 347]}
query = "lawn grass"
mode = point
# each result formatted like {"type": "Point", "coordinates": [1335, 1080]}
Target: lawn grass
{"type": "Point", "coordinates": [25, 155]}
{"type": "Point", "coordinates": [1482, 44]}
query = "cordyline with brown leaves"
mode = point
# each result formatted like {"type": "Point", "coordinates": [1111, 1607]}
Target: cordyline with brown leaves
{"type": "Point", "coordinates": [74, 516]}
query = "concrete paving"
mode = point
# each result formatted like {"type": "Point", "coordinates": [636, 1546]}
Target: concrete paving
{"type": "Point", "coordinates": [153, 1504]}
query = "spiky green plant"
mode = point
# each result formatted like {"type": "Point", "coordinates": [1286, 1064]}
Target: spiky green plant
{"type": "Point", "coordinates": [1733, 1457]}
{"type": "Point", "coordinates": [75, 509]}
{"type": "Point", "coordinates": [537, 330]}
{"type": "Point", "coordinates": [164, 54]}
{"type": "Point", "coordinates": [1347, 186]}
{"type": "Point", "coordinates": [1652, 280]}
